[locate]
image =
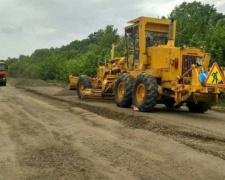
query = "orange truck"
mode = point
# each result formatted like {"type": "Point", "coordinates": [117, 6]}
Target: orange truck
{"type": "Point", "coordinates": [3, 73]}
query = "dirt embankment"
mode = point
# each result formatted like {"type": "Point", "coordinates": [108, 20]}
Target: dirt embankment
{"type": "Point", "coordinates": [35, 82]}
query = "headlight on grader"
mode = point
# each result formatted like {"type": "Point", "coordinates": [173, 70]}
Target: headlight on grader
{"type": "Point", "coordinates": [174, 62]}
{"type": "Point", "coordinates": [200, 61]}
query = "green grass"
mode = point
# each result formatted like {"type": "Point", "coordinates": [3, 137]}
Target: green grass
{"type": "Point", "coordinates": [222, 100]}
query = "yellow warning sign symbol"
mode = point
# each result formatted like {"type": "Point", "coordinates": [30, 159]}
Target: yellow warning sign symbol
{"type": "Point", "coordinates": [215, 77]}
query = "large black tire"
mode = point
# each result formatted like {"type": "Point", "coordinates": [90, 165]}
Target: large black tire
{"type": "Point", "coordinates": [145, 92]}
{"type": "Point", "coordinates": [123, 90]}
{"type": "Point", "coordinates": [200, 107]}
{"type": "Point", "coordinates": [170, 102]}
{"type": "Point", "coordinates": [82, 84]}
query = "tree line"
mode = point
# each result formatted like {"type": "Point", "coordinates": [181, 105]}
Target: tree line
{"type": "Point", "coordinates": [78, 57]}
{"type": "Point", "coordinates": [197, 24]}
{"type": "Point", "coordinates": [201, 24]}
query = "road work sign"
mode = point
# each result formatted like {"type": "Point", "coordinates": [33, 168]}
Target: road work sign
{"type": "Point", "coordinates": [215, 77]}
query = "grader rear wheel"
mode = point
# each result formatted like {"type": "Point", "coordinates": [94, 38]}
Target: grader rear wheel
{"type": "Point", "coordinates": [145, 92]}
{"type": "Point", "coordinates": [82, 84]}
{"type": "Point", "coordinates": [123, 90]}
{"type": "Point", "coordinates": [140, 92]}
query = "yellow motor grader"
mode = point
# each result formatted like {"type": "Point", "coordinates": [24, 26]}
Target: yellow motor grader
{"type": "Point", "coordinates": [103, 84]}
{"type": "Point", "coordinates": [159, 72]}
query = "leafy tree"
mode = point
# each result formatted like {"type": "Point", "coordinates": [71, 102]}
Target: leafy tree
{"type": "Point", "coordinates": [201, 24]}
{"type": "Point", "coordinates": [79, 57]}
{"type": "Point", "coordinates": [11, 60]}
{"type": "Point", "coordinates": [40, 55]}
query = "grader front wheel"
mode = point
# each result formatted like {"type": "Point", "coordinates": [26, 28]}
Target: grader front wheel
{"type": "Point", "coordinates": [81, 87]}
{"type": "Point", "coordinates": [123, 90]}
{"type": "Point", "coordinates": [145, 92]}
{"type": "Point", "coordinates": [82, 84]}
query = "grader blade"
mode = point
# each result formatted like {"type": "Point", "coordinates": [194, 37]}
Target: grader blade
{"type": "Point", "coordinates": [92, 93]}
{"type": "Point", "coordinates": [96, 94]}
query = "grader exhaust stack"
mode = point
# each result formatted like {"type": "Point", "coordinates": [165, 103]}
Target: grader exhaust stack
{"type": "Point", "coordinates": [171, 30]}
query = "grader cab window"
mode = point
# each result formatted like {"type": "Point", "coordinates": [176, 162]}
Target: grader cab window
{"type": "Point", "coordinates": [132, 44]}
{"type": "Point", "coordinates": [155, 38]}
{"type": "Point", "coordinates": [130, 39]}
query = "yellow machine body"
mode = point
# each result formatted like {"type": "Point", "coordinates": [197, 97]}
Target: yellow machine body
{"type": "Point", "coordinates": [150, 45]}
{"type": "Point", "coordinates": [154, 71]}
{"type": "Point", "coordinates": [103, 84]}
{"type": "Point", "coordinates": [73, 82]}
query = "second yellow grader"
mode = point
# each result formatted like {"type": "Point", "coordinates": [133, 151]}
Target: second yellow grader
{"type": "Point", "coordinates": [158, 72]}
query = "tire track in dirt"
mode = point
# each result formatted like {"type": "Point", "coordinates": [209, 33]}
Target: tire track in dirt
{"type": "Point", "coordinates": [71, 143]}
{"type": "Point", "coordinates": [40, 151]}
{"type": "Point", "coordinates": [194, 139]}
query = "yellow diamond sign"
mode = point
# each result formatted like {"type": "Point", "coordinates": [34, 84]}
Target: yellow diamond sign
{"type": "Point", "coordinates": [215, 77]}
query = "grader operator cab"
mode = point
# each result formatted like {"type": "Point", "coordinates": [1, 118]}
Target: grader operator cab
{"type": "Point", "coordinates": [159, 72]}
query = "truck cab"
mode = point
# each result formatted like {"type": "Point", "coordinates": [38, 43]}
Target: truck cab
{"type": "Point", "coordinates": [3, 73]}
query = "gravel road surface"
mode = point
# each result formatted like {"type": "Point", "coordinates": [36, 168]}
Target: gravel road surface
{"type": "Point", "coordinates": [47, 133]}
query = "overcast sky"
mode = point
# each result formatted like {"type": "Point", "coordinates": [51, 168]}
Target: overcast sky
{"type": "Point", "coordinates": [27, 25]}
